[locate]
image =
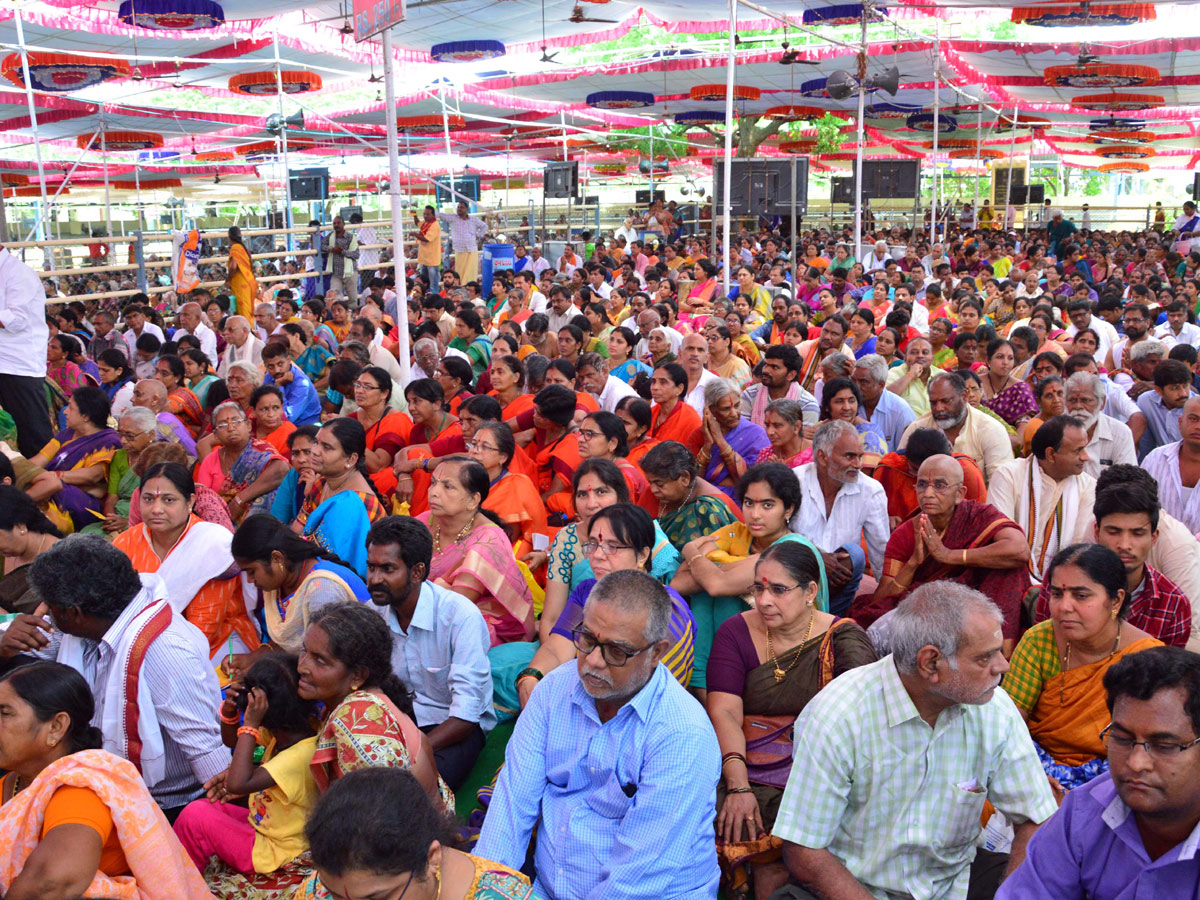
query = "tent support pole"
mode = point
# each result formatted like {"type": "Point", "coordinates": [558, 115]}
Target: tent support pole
{"type": "Point", "coordinates": [398, 257]}
{"type": "Point", "coordinates": [37, 141]}
{"type": "Point", "coordinates": [858, 152]}
{"type": "Point", "coordinates": [283, 143]}
{"type": "Point", "coordinates": [727, 199]}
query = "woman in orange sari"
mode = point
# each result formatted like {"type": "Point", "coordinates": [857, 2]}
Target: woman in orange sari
{"type": "Point", "coordinates": [181, 402]}
{"type": "Point", "coordinates": [1057, 671]}
{"type": "Point", "coordinates": [241, 281]}
{"type": "Point", "coordinates": [266, 411]}
{"type": "Point", "coordinates": [388, 431]}
{"type": "Point", "coordinates": [508, 383]}
{"type": "Point", "coordinates": [556, 447]}
{"type": "Point", "coordinates": [638, 416]}
{"type": "Point", "coordinates": [192, 557]}
{"type": "Point", "coordinates": [602, 435]}
{"type": "Point", "coordinates": [511, 496]}
{"type": "Point", "coordinates": [672, 419]}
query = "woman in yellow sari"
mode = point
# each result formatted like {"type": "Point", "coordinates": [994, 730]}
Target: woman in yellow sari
{"type": "Point", "coordinates": [242, 283]}
{"type": "Point", "coordinates": [1057, 671]}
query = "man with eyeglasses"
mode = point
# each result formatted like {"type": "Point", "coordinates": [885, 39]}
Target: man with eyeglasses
{"type": "Point", "coordinates": [1131, 832]}
{"type": "Point", "coordinates": [614, 762]}
{"type": "Point", "coordinates": [955, 539]}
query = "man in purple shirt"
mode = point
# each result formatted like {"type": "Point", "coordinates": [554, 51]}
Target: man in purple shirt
{"type": "Point", "coordinates": [1133, 833]}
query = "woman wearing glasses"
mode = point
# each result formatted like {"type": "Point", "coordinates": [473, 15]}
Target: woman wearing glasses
{"type": "Point", "coordinates": [767, 663]}
{"type": "Point", "coordinates": [512, 497]}
{"type": "Point", "coordinates": [1057, 673]}
{"type": "Point", "coordinates": [619, 538]}
{"type": "Point", "coordinates": [387, 431]}
{"type": "Point", "coordinates": [244, 470]}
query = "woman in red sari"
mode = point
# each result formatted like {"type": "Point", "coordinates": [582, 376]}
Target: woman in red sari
{"type": "Point", "coordinates": [637, 417]}
{"type": "Point", "coordinates": [181, 402]}
{"type": "Point", "coordinates": [672, 419]}
{"type": "Point", "coordinates": [556, 447]}
{"type": "Point", "coordinates": [266, 411]}
{"type": "Point", "coordinates": [431, 421]}
{"type": "Point", "coordinates": [511, 496]}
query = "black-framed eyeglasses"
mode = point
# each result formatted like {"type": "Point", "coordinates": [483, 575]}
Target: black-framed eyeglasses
{"type": "Point", "coordinates": [400, 896]}
{"type": "Point", "coordinates": [610, 548]}
{"type": "Point", "coordinates": [1122, 745]}
{"type": "Point", "coordinates": [614, 654]}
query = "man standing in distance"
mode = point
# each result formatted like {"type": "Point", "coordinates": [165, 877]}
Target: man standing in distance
{"type": "Point", "coordinates": [23, 337]}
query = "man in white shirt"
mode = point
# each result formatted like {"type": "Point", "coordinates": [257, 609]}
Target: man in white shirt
{"type": "Point", "coordinates": [878, 258]}
{"type": "Point", "coordinates": [535, 300]}
{"type": "Point", "coordinates": [136, 324]}
{"type": "Point", "coordinates": [693, 356]}
{"type": "Point", "coordinates": [1110, 442]}
{"type": "Point", "coordinates": [240, 345]}
{"type": "Point", "coordinates": [562, 311]}
{"type": "Point", "coordinates": [594, 378]}
{"type": "Point", "coordinates": [23, 337]}
{"type": "Point", "coordinates": [934, 258]}
{"type": "Point", "coordinates": [1080, 314]}
{"type": "Point", "coordinates": [1052, 481]}
{"type": "Point", "coordinates": [1174, 467]}
{"type": "Point", "coordinates": [1177, 329]}
{"type": "Point", "coordinates": [425, 359]}
{"type": "Point", "coordinates": [191, 320]}
{"type": "Point", "coordinates": [840, 506]}
{"type": "Point", "coordinates": [537, 263]}
{"type": "Point", "coordinates": [597, 283]}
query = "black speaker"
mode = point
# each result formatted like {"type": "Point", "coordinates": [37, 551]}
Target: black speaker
{"type": "Point", "coordinates": [347, 211]}
{"type": "Point", "coordinates": [309, 184]}
{"type": "Point", "coordinates": [467, 185]}
{"type": "Point", "coordinates": [843, 190]}
{"type": "Point", "coordinates": [1196, 186]}
{"type": "Point", "coordinates": [1037, 193]}
{"type": "Point", "coordinates": [887, 179]}
{"type": "Point", "coordinates": [1018, 194]}
{"type": "Point", "coordinates": [643, 198]}
{"type": "Point", "coordinates": [762, 186]}
{"type": "Point", "coordinates": [561, 180]}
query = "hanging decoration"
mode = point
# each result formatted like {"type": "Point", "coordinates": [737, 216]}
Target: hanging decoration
{"type": "Point", "coordinates": [61, 72]}
{"type": "Point", "coordinates": [271, 148]}
{"type": "Point", "coordinates": [466, 51]}
{"type": "Point", "coordinates": [619, 99]}
{"type": "Point", "coordinates": [1126, 137]}
{"type": "Point", "coordinates": [32, 191]}
{"type": "Point", "coordinates": [13, 178]}
{"type": "Point", "coordinates": [1114, 123]}
{"type": "Point", "coordinates": [924, 122]}
{"type": "Point", "coordinates": [982, 153]}
{"type": "Point", "coordinates": [1022, 121]}
{"type": "Point", "coordinates": [172, 15]}
{"type": "Point", "coordinates": [713, 92]}
{"type": "Point", "coordinates": [794, 113]}
{"type": "Point", "coordinates": [1127, 166]}
{"type": "Point", "coordinates": [815, 87]}
{"type": "Point", "coordinates": [515, 184]}
{"type": "Point", "coordinates": [1084, 14]}
{"type": "Point", "coordinates": [264, 84]}
{"type": "Point", "coordinates": [153, 156]}
{"type": "Point", "coordinates": [125, 184]}
{"type": "Point", "coordinates": [950, 144]}
{"type": "Point", "coordinates": [1117, 102]}
{"type": "Point", "coordinates": [609, 168]}
{"type": "Point", "coordinates": [1125, 151]}
{"type": "Point", "coordinates": [798, 146]}
{"type": "Point", "coordinates": [890, 110]}
{"type": "Point", "coordinates": [120, 140]}
{"type": "Point", "coordinates": [1102, 75]}
{"type": "Point", "coordinates": [214, 156]}
{"type": "Point", "coordinates": [427, 124]}
{"type": "Point", "coordinates": [699, 116]}
{"type": "Point", "coordinates": [841, 14]}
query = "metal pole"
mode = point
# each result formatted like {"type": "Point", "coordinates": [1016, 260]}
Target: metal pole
{"type": "Point", "coordinates": [979, 162]}
{"type": "Point", "coordinates": [43, 211]}
{"type": "Point", "coordinates": [1012, 147]}
{"type": "Point", "coordinates": [858, 153]}
{"type": "Point", "coordinates": [652, 166]}
{"type": "Point", "coordinates": [287, 172]}
{"type": "Point", "coordinates": [726, 205]}
{"type": "Point", "coordinates": [937, 127]}
{"type": "Point", "coordinates": [393, 145]}
{"type": "Point", "coordinates": [446, 131]}
{"type": "Point", "coordinates": [107, 195]}
{"type": "Point", "coordinates": [4, 218]}
{"type": "Point", "coordinates": [794, 167]}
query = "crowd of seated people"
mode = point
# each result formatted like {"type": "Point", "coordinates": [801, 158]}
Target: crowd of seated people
{"type": "Point", "coordinates": [875, 583]}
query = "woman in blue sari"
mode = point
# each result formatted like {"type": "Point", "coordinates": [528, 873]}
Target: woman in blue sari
{"type": "Point", "coordinates": [621, 361]}
{"type": "Point", "coordinates": [314, 311]}
{"type": "Point", "coordinates": [339, 507]}
{"type": "Point", "coordinates": [69, 476]}
{"type": "Point", "coordinates": [731, 443]}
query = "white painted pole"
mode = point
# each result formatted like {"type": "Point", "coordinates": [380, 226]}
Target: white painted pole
{"type": "Point", "coordinates": [393, 146]}
{"type": "Point", "coordinates": [858, 153]}
{"type": "Point", "coordinates": [727, 204]}
{"type": "Point", "coordinates": [287, 171]}
{"type": "Point", "coordinates": [937, 127]}
{"type": "Point", "coordinates": [37, 141]}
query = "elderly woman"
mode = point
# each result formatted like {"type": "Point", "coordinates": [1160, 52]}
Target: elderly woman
{"type": "Point", "coordinates": [74, 818]}
{"type": "Point", "coordinates": [69, 476]}
{"type": "Point", "coordinates": [784, 426]}
{"type": "Point", "coordinates": [192, 557]}
{"type": "Point", "coordinates": [722, 358]}
{"type": "Point", "coordinates": [1057, 670]}
{"type": "Point", "coordinates": [658, 346]}
{"type": "Point", "coordinates": [25, 533]}
{"type": "Point", "coordinates": [472, 555]}
{"type": "Point", "coordinates": [731, 443]}
{"type": "Point", "coordinates": [241, 380]}
{"type": "Point", "coordinates": [136, 430]}
{"type": "Point", "coordinates": [685, 505]}
{"type": "Point", "coordinates": [512, 497]}
{"type": "Point", "coordinates": [244, 470]}
{"type": "Point", "coordinates": [767, 664]}
{"type": "Point", "coordinates": [620, 537]}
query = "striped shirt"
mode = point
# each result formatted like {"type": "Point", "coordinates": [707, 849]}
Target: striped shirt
{"type": "Point", "coordinates": [897, 802]}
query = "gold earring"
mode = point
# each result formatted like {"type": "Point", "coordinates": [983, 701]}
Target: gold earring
{"type": "Point", "coordinates": [52, 742]}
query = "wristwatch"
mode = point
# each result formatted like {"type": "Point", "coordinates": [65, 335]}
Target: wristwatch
{"type": "Point", "coordinates": [536, 673]}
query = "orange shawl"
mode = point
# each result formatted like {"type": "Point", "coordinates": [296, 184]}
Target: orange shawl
{"type": "Point", "coordinates": [681, 424]}
{"type": "Point", "coordinates": [160, 866]}
{"type": "Point", "coordinates": [516, 500]}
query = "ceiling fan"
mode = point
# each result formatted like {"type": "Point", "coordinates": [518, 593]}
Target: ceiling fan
{"type": "Point", "coordinates": [547, 57]}
{"type": "Point", "coordinates": [791, 57]}
{"type": "Point", "coordinates": [577, 16]}
{"type": "Point", "coordinates": [344, 15]}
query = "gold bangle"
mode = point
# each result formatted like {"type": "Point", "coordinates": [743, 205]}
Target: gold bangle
{"type": "Point", "coordinates": [964, 561]}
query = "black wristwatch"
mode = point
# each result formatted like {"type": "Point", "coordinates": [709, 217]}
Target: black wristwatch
{"type": "Point", "coordinates": [536, 673]}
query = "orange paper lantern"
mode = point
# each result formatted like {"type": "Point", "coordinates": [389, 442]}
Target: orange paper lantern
{"type": "Point", "coordinates": [265, 84]}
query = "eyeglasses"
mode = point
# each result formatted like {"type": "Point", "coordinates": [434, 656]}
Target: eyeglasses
{"type": "Point", "coordinates": [610, 548]}
{"type": "Point", "coordinates": [587, 434]}
{"type": "Point", "coordinates": [130, 435]}
{"type": "Point", "coordinates": [232, 423]}
{"type": "Point", "coordinates": [614, 654]}
{"type": "Point", "coordinates": [776, 590]}
{"type": "Point", "coordinates": [1120, 745]}
{"type": "Point", "coordinates": [481, 447]}
{"type": "Point", "coordinates": [939, 487]}
{"type": "Point", "coordinates": [363, 386]}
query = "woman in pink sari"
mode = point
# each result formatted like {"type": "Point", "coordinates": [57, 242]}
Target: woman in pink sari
{"type": "Point", "coordinates": [695, 309]}
{"type": "Point", "coordinates": [472, 555]}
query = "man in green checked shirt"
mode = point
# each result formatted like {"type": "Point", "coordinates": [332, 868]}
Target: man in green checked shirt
{"type": "Point", "coordinates": [895, 760]}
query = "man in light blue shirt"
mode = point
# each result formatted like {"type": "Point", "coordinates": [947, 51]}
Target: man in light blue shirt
{"type": "Point", "coordinates": [300, 400]}
{"type": "Point", "coordinates": [439, 645]}
{"type": "Point", "coordinates": [614, 762]}
{"type": "Point", "coordinates": [880, 406]}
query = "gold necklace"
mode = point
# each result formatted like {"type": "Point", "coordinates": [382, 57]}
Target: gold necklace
{"type": "Point", "coordinates": [458, 538]}
{"type": "Point", "coordinates": [780, 674]}
{"type": "Point", "coordinates": [688, 498]}
{"type": "Point", "coordinates": [1067, 664]}
{"type": "Point", "coordinates": [16, 789]}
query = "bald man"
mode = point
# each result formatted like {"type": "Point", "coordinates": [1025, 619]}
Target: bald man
{"type": "Point", "coordinates": [953, 538]}
{"type": "Point", "coordinates": [191, 321]}
{"type": "Point", "coordinates": [152, 394]}
{"type": "Point", "coordinates": [241, 345]}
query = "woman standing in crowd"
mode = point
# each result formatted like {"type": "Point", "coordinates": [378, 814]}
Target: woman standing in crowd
{"type": "Point", "coordinates": [471, 554]}
{"type": "Point", "coordinates": [241, 281]}
{"type": "Point", "coordinates": [244, 470]}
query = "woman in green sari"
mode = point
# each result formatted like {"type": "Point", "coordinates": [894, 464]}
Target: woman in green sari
{"type": "Point", "coordinates": [200, 375]}
{"type": "Point", "coordinates": [687, 506]}
{"type": "Point", "coordinates": [136, 430]}
{"type": "Point", "coordinates": [470, 339]}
